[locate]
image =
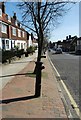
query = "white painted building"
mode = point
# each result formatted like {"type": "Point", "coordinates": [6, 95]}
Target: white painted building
{"type": "Point", "coordinates": [30, 41]}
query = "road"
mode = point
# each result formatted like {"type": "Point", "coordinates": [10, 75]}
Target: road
{"type": "Point", "coordinates": [68, 67]}
{"type": "Point", "coordinates": [8, 70]}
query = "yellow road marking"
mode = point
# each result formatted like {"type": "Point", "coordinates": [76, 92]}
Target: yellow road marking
{"type": "Point", "coordinates": [72, 100]}
{"type": "Point", "coordinates": [67, 91]}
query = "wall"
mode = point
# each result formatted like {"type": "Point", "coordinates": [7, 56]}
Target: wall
{"type": "Point", "coordinates": [29, 41]}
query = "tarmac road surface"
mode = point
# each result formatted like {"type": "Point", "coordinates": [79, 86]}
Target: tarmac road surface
{"type": "Point", "coordinates": [68, 67]}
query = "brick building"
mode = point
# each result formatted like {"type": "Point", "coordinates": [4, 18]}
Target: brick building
{"type": "Point", "coordinates": [11, 31]}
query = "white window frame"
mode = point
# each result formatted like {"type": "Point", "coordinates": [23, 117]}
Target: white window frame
{"type": "Point", "coordinates": [0, 12]}
{"type": "Point", "coordinates": [7, 44]}
{"type": "Point", "coordinates": [3, 45]}
{"type": "Point", "coordinates": [19, 33]}
{"type": "Point", "coordinates": [14, 31]}
{"type": "Point", "coordinates": [4, 28]}
{"type": "Point", "coordinates": [24, 45]}
{"type": "Point", "coordinates": [21, 45]}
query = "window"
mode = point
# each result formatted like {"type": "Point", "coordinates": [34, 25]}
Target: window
{"type": "Point", "coordinates": [19, 33]}
{"type": "Point", "coordinates": [18, 44]}
{"type": "Point", "coordinates": [3, 44]}
{"type": "Point", "coordinates": [4, 28]}
{"type": "Point", "coordinates": [21, 45]}
{"type": "Point", "coordinates": [24, 45]}
{"type": "Point", "coordinates": [0, 13]}
{"type": "Point", "coordinates": [14, 43]}
{"type": "Point", "coordinates": [7, 44]}
{"type": "Point", "coordinates": [14, 31]}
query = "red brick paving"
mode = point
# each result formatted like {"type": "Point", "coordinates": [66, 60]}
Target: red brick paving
{"type": "Point", "coordinates": [49, 105]}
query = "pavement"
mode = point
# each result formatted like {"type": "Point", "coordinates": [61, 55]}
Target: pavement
{"type": "Point", "coordinates": [18, 95]}
{"type": "Point", "coordinates": [9, 70]}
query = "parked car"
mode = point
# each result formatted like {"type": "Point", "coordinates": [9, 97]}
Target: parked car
{"type": "Point", "coordinates": [78, 52]}
{"type": "Point", "coordinates": [58, 51]}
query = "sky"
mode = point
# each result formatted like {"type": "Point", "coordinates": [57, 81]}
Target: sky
{"type": "Point", "coordinates": [11, 8]}
{"type": "Point", "coordinates": [69, 24]}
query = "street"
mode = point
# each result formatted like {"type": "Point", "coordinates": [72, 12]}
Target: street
{"type": "Point", "coordinates": [68, 67]}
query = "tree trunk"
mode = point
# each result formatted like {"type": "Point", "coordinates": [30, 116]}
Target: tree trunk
{"type": "Point", "coordinates": [38, 79]}
{"type": "Point", "coordinates": [38, 69]}
{"type": "Point", "coordinates": [39, 56]}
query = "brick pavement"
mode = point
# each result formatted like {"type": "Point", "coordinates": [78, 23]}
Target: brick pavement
{"type": "Point", "coordinates": [18, 104]}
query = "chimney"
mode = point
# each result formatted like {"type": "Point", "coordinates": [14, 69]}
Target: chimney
{"type": "Point", "coordinates": [66, 37]}
{"type": "Point", "coordinates": [2, 6]}
{"type": "Point", "coordinates": [14, 16]}
{"type": "Point", "coordinates": [69, 36]}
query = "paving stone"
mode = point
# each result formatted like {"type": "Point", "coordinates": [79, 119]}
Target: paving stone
{"type": "Point", "coordinates": [16, 92]}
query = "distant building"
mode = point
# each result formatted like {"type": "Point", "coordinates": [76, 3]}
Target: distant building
{"type": "Point", "coordinates": [69, 44]}
{"type": "Point", "coordinates": [78, 47]}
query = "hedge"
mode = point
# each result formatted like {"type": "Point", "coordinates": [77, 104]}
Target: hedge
{"type": "Point", "coordinates": [31, 49]}
{"type": "Point", "coordinates": [9, 54]}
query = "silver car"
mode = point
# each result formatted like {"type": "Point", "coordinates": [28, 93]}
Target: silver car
{"type": "Point", "coordinates": [58, 51]}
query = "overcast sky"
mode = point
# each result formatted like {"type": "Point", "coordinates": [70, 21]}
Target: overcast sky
{"type": "Point", "coordinates": [69, 24]}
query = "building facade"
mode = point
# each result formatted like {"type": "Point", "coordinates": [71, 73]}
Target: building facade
{"type": "Point", "coordinates": [12, 34]}
{"type": "Point", "coordinates": [78, 45]}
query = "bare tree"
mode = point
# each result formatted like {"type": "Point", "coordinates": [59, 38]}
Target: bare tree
{"type": "Point", "coordinates": [39, 16]}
